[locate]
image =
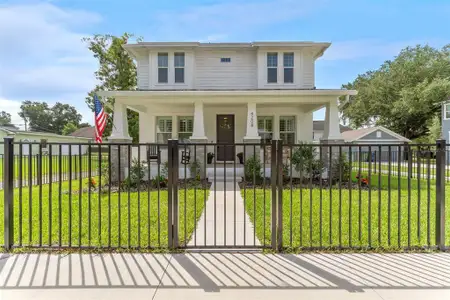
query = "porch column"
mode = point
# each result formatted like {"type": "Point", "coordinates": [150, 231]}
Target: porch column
{"type": "Point", "coordinates": [120, 122]}
{"type": "Point", "coordinates": [199, 124]}
{"type": "Point", "coordinates": [332, 129]}
{"type": "Point", "coordinates": [198, 136]}
{"type": "Point", "coordinates": [119, 136]}
{"type": "Point", "coordinates": [251, 136]}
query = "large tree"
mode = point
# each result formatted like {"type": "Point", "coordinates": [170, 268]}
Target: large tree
{"type": "Point", "coordinates": [116, 72]}
{"type": "Point", "coordinates": [41, 117]}
{"type": "Point", "coordinates": [5, 118]}
{"type": "Point", "coordinates": [404, 94]}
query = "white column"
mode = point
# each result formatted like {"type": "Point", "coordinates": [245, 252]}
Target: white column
{"type": "Point", "coordinates": [276, 127]}
{"type": "Point", "coordinates": [332, 128]}
{"type": "Point", "coordinates": [252, 123]}
{"type": "Point", "coordinates": [199, 123]}
{"type": "Point", "coordinates": [120, 122]}
{"type": "Point", "coordinates": [174, 127]}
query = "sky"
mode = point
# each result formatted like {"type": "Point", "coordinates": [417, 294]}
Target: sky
{"type": "Point", "coordinates": [42, 57]}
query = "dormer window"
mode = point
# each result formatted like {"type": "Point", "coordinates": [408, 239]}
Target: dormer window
{"type": "Point", "coordinates": [288, 64]}
{"type": "Point", "coordinates": [179, 67]}
{"type": "Point", "coordinates": [163, 67]}
{"type": "Point", "coordinates": [272, 67]}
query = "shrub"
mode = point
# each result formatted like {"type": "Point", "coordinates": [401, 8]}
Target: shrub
{"type": "Point", "coordinates": [253, 168]}
{"type": "Point", "coordinates": [340, 165]}
{"type": "Point", "coordinates": [195, 168]}
{"type": "Point", "coordinates": [160, 181]}
{"type": "Point", "coordinates": [136, 174]}
{"type": "Point", "coordinates": [305, 160]}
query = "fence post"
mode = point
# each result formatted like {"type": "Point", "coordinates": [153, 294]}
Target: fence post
{"type": "Point", "coordinates": [169, 193]}
{"type": "Point", "coordinates": [273, 179]}
{"type": "Point", "coordinates": [440, 193]}
{"type": "Point", "coordinates": [280, 195]}
{"type": "Point", "coordinates": [176, 168]}
{"type": "Point", "coordinates": [8, 188]}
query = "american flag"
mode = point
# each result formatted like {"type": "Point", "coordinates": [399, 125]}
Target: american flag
{"type": "Point", "coordinates": [100, 120]}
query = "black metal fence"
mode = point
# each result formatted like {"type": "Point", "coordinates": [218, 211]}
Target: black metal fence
{"type": "Point", "coordinates": [208, 195]}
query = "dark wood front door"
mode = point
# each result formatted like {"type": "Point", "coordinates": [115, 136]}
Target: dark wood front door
{"type": "Point", "coordinates": [225, 137]}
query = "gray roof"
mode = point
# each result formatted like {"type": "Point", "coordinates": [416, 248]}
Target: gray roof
{"type": "Point", "coordinates": [320, 125]}
{"type": "Point", "coordinates": [87, 132]}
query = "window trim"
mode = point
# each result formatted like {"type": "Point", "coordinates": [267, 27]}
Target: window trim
{"type": "Point", "coordinates": [289, 67]}
{"type": "Point", "coordinates": [271, 67]}
{"type": "Point", "coordinates": [179, 118]}
{"type": "Point", "coordinates": [179, 67]}
{"type": "Point", "coordinates": [162, 67]}
{"type": "Point", "coordinates": [265, 131]}
{"type": "Point", "coordinates": [166, 118]}
{"type": "Point", "coordinates": [286, 132]}
{"type": "Point", "coordinates": [446, 111]}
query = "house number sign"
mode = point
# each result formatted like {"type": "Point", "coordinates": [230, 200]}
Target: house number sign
{"type": "Point", "coordinates": [251, 119]}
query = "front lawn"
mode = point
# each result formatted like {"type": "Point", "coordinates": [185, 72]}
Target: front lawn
{"type": "Point", "coordinates": [315, 211]}
{"type": "Point", "coordinates": [137, 210]}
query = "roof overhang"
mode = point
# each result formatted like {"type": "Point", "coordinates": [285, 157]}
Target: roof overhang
{"type": "Point", "coordinates": [141, 48]}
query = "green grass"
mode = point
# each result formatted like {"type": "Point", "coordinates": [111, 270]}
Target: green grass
{"type": "Point", "coordinates": [310, 213]}
{"type": "Point", "coordinates": [100, 236]}
{"type": "Point", "coordinates": [30, 165]}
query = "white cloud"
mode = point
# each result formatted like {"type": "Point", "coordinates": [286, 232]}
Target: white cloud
{"type": "Point", "coordinates": [42, 55]}
{"type": "Point", "coordinates": [12, 107]}
{"type": "Point", "coordinates": [233, 17]}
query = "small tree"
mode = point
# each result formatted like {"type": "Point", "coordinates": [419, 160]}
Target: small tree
{"type": "Point", "coordinates": [69, 128]}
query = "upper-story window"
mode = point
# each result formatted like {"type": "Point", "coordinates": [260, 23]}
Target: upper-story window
{"type": "Point", "coordinates": [447, 111]}
{"type": "Point", "coordinates": [179, 67]}
{"type": "Point", "coordinates": [163, 67]}
{"type": "Point", "coordinates": [272, 67]}
{"type": "Point", "coordinates": [288, 64]}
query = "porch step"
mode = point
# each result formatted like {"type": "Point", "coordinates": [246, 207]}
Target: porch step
{"type": "Point", "coordinates": [225, 174]}
{"type": "Point", "coordinates": [224, 179]}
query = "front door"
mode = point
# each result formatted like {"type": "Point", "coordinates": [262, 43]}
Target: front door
{"type": "Point", "coordinates": [225, 136]}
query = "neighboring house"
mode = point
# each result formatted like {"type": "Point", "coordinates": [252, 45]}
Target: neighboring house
{"type": "Point", "coordinates": [226, 93]}
{"type": "Point", "coordinates": [36, 137]}
{"type": "Point", "coordinates": [85, 132]}
{"type": "Point", "coordinates": [380, 139]}
{"type": "Point", "coordinates": [318, 129]}
{"type": "Point", "coordinates": [446, 121]}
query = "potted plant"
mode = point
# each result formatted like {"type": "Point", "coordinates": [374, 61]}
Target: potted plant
{"type": "Point", "coordinates": [240, 155]}
{"type": "Point", "coordinates": [210, 157]}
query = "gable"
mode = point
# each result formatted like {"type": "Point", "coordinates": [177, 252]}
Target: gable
{"type": "Point", "coordinates": [378, 135]}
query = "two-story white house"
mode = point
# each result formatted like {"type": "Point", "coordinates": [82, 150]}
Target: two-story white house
{"type": "Point", "coordinates": [226, 93]}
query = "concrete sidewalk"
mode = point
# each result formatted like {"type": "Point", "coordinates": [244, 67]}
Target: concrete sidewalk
{"type": "Point", "coordinates": [225, 276]}
{"type": "Point", "coordinates": [224, 220]}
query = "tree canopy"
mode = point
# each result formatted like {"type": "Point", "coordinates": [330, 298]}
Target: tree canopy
{"type": "Point", "coordinates": [116, 72]}
{"type": "Point", "coordinates": [404, 94]}
{"type": "Point", "coordinates": [69, 128]}
{"type": "Point", "coordinates": [5, 118]}
{"type": "Point", "coordinates": [41, 117]}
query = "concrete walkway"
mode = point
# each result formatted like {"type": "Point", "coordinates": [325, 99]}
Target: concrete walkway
{"type": "Point", "coordinates": [225, 276]}
{"type": "Point", "coordinates": [224, 220]}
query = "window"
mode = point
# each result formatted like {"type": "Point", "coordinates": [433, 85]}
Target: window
{"type": "Point", "coordinates": [225, 59]}
{"type": "Point", "coordinates": [265, 129]}
{"type": "Point", "coordinates": [185, 128]}
{"type": "Point", "coordinates": [272, 67]}
{"type": "Point", "coordinates": [164, 129]}
{"type": "Point", "coordinates": [179, 67]}
{"type": "Point", "coordinates": [378, 134]}
{"type": "Point", "coordinates": [447, 111]}
{"type": "Point", "coordinates": [288, 64]}
{"type": "Point", "coordinates": [163, 67]}
{"type": "Point", "coordinates": [287, 130]}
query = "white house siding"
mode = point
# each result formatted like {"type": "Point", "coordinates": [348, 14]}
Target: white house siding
{"type": "Point", "coordinates": [239, 73]}
{"type": "Point", "coordinates": [171, 85]}
{"type": "Point", "coordinates": [143, 71]}
{"type": "Point", "coordinates": [303, 70]}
